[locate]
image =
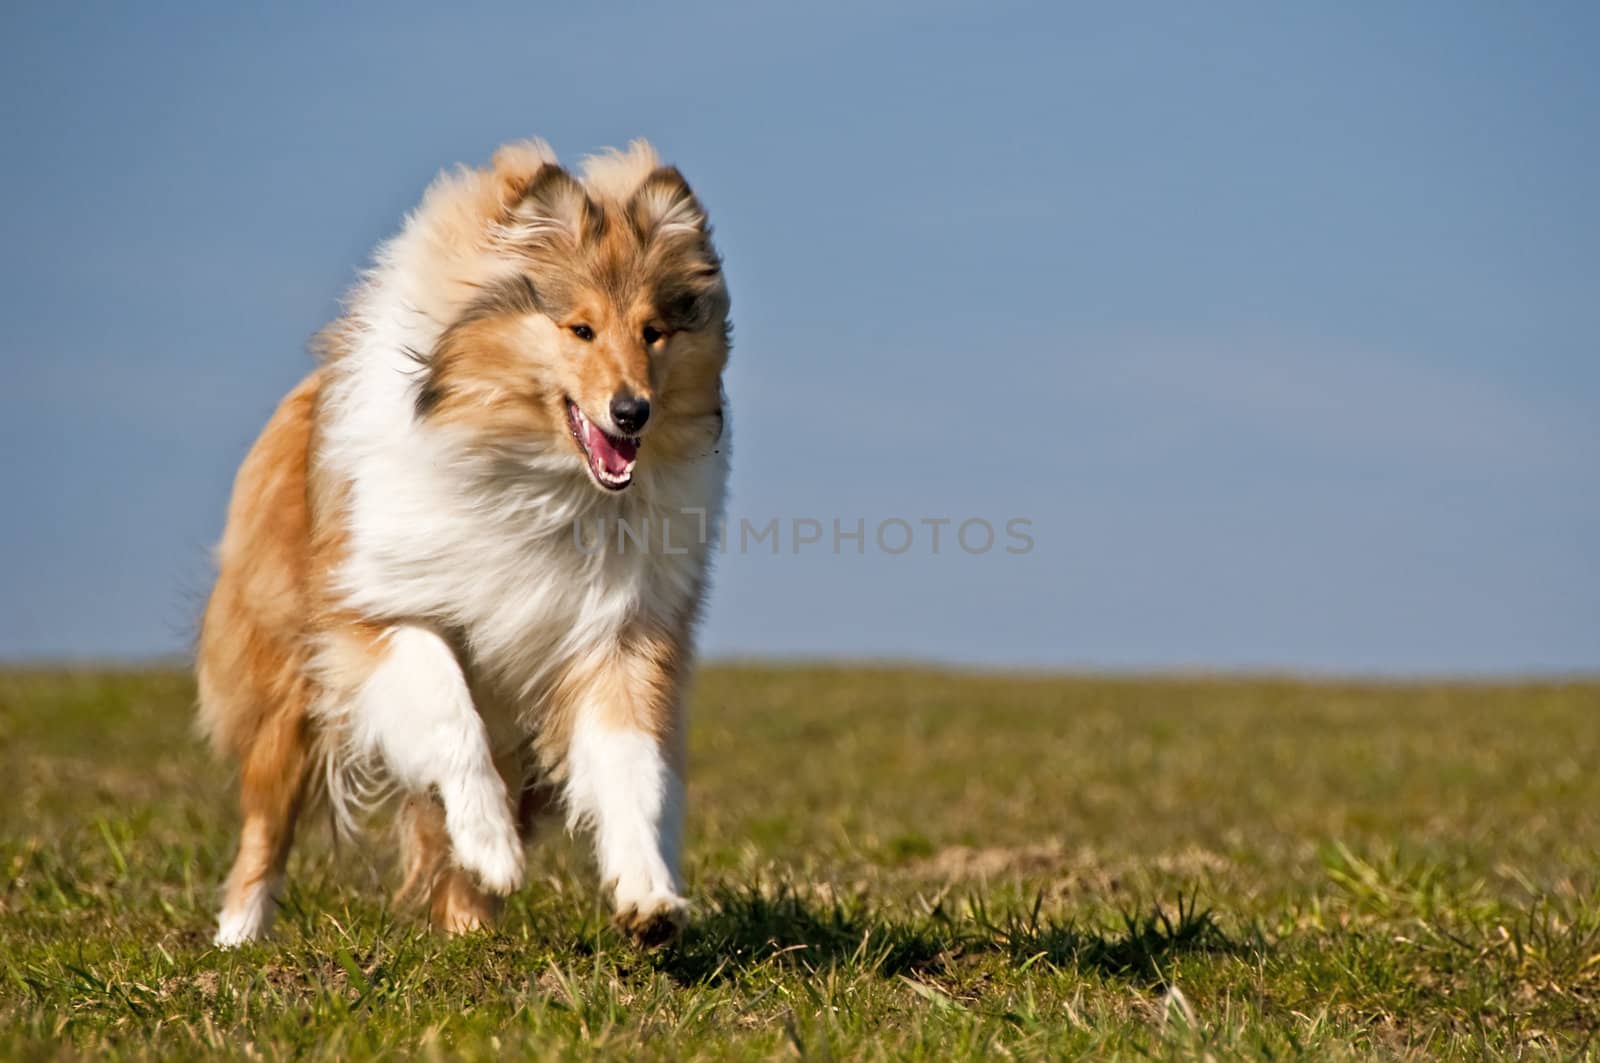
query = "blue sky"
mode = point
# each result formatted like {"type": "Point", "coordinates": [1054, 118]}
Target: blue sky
{"type": "Point", "coordinates": [1279, 323]}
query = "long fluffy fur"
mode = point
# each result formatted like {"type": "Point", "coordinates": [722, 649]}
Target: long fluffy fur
{"type": "Point", "coordinates": [406, 524]}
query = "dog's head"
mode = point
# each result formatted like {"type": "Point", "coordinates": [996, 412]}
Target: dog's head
{"type": "Point", "coordinates": [599, 327]}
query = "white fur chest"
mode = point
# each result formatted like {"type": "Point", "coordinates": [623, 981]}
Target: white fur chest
{"type": "Point", "coordinates": [533, 566]}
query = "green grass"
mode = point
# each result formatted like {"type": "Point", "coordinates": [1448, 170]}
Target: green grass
{"type": "Point", "coordinates": [888, 863]}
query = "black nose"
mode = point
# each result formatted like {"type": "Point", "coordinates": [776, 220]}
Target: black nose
{"type": "Point", "coordinates": [630, 412]}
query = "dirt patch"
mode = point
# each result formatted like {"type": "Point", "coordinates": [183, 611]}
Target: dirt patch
{"type": "Point", "coordinates": [1070, 870]}
{"type": "Point", "coordinates": [963, 862]}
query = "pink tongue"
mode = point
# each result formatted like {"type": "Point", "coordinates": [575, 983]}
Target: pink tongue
{"type": "Point", "coordinates": [611, 453]}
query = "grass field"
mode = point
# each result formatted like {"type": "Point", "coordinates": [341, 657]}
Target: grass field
{"type": "Point", "coordinates": [887, 863]}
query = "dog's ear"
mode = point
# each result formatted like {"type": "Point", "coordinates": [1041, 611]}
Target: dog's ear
{"type": "Point", "coordinates": [664, 206]}
{"type": "Point", "coordinates": [553, 204]}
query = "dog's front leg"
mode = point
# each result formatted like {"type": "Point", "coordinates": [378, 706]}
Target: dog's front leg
{"type": "Point", "coordinates": [416, 712]}
{"type": "Point", "coordinates": [624, 780]}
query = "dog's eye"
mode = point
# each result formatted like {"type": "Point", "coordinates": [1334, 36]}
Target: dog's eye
{"type": "Point", "coordinates": [651, 334]}
{"type": "Point", "coordinates": [583, 332]}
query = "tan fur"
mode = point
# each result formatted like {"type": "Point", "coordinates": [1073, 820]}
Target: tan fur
{"type": "Point", "coordinates": [254, 683]}
{"type": "Point", "coordinates": [454, 902]}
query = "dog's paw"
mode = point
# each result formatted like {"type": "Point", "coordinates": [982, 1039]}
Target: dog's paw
{"type": "Point", "coordinates": [654, 919]}
{"type": "Point", "coordinates": [460, 906]}
{"type": "Point", "coordinates": [235, 928]}
{"type": "Point", "coordinates": [231, 933]}
{"type": "Point", "coordinates": [456, 919]}
{"type": "Point", "coordinates": [247, 916]}
{"type": "Point", "coordinates": [490, 848]}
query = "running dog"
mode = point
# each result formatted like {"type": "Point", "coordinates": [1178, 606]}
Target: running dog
{"type": "Point", "coordinates": [417, 593]}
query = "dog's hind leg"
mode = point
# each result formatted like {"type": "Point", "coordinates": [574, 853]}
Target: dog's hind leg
{"type": "Point", "coordinates": [271, 792]}
{"type": "Point", "coordinates": [455, 903]}
{"type": "Point", "coordinates": [254, 692]}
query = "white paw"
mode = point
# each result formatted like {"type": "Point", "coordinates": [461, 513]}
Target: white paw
{"type": "Point", "coordinates": [231, 933]}
{"type": "Point", "coordinates": [247, 921]}
{"type": "Point", "coordinates": [487, 844]}
{"type": "Point", "coordinates": [653, 919]}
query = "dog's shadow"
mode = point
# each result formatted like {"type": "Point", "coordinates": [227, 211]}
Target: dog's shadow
{"type": "Point", "coordinates": [739, 929]}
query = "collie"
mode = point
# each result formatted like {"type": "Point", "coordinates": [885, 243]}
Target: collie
{"type": "Point", "coordinates": [403, 604]}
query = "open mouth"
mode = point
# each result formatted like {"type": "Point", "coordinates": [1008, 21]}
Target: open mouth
{"type": "Point", "coordinates": [610, 457]}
